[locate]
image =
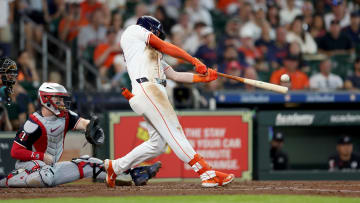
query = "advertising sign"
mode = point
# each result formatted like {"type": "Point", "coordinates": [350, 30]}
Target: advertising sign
{"type": "Point", "coordinates": [222, 138]}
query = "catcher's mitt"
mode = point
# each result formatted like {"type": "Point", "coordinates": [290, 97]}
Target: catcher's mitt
{"type": "Point", "coordinates": [94, 134]}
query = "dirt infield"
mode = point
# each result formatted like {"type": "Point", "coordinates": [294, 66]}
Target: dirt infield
{"type": "Point", "coordinates": [324, 188]}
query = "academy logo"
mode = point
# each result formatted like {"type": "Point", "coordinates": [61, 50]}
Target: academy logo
{"type": "Point", "coordinates": [294, 119]}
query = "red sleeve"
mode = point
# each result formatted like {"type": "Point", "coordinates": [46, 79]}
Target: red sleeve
{"type": "Point", "coordinates": [19, 152]}
{"type": "Point", "coordinates": [170, 49]}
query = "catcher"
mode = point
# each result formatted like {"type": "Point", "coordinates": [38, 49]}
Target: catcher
{"type": "Point", "coordinates": [39, 144]}
{"type": "Point", "coordinates": [8, 74]}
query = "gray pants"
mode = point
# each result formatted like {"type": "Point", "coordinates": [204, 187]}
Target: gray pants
{"type": "Point", "coordinates": [38, 174]}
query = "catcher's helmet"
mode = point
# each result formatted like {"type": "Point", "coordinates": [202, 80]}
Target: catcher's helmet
{"type": "Point", "coordinates": [52, 96]}
{"type": "Point", "coordinates": [152, 24]}
{"type": "Point", "coordinates": [8, 72]}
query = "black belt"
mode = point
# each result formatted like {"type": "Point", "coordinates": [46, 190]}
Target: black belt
{"type": "Point", "coordinates": [157, 80]}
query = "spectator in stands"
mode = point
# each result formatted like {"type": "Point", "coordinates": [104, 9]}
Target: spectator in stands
{"type": "Point", "coordinates": [353, 30]}
{"type": "Point", "coordinates": [166, 21]}
{"type": "Point", "coordinates": [245, 12]}
{"type": "Point", "coordinates": [233, 68]}
{"type": "Point", "coordinates": [140, 10]}
{"type": "Point", "coordinates": [254, 26]}
{"type": "Point", "coordinates": [5, 124]}
{"type": "Point", "coordinates": [57, 10]}
{"type": "Point", "coordinates": [37, 12]}
{"type": "Point", "coordinates": [295, 50]}
{"type": "Point", "coordinates": [117, 25]}
{"type": "Point", "coordinates": [279, 159]}
{"type": "Point", "coordinates": [288, 14]}
{"type": "Point", "coordinates": [320, 7]}
{"type": "Point", "coordinates": [265, 43]}
{"type": "Point", "coordinates": [197, 13]}
{"type": "Point", "coordinates": [298, 79]}
{"type": "Point", "coordinates": [308, 11]}
{"type": "Point", "coordinates": [248, 48]}
{"type": "Point", "coordinates": [207, 51]}
{"type": "Point", "coordinates": [172, 7]}
{"type": "Point", "coordinates": [301, 36]}
{"type": "Point", "coordinates": [353, 82]}
{"type": "Point", "coordinates": [273, 16]}
{"type": "Point", "coordinates": [71, 24]}
{"type": "Point", "coordinates": [229, 37]}
{"type": "Point", "coordinates": [280, 49]}
{"type": "Point", "coordinates": [116, 5]}
{"type": "Point", "coordinates": [88, 7]}
{"type": "Point", "coordinates": [6, 19]}
{"type": "Point", "coordinates": [93, 34]}
{"type": "Point", "coordinates": [317, 28]}
{"type": "Point", "coordinates": [28, 76]}
{"type": "Point", "coordinates": [339, 13]}
{"type": "Point", "coordinates": [193, 41]}
{"type": "Point", "coordinates": [344, 159]}
{"type": "Point", "coordinates": [183, 28]}
{"type": "Point", "coordinates": [325, 80]}
{"type": "Point", "coordinates": [105, 54]}
{"type": "Point", "coordinates": [335, 42]}
{"type": "Point", "coordinates": [20, 107]}
{"type": "Point", "coordinates": [230, 54]}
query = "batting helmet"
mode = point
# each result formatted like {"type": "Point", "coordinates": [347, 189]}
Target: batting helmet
{"type": "Point", "coordinates": [152, 24]}
{"type": "Point", "coordinates": [8, 72]}
{"type": "Point", "coordinates": [55, 98]}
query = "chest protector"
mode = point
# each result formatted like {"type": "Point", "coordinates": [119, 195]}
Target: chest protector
{"type": "Point", "coordinates": [55, 129]}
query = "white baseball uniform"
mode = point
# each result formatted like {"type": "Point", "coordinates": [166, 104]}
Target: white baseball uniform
{"type": "Point", "coordinates": [150, 100]}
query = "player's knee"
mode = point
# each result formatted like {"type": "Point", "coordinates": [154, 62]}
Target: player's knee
{"type": "Point", "coordinates": [156, 144]}
{"type": "Point", "coordinates": [43, 177]}
{"type": "Point", "coordinates": [47, 175]}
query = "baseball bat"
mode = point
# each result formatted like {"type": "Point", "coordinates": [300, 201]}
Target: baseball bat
{"type": "Point", "coordinates": [257, 83]}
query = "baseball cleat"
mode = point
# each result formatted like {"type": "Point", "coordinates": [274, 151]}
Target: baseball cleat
{"type": "Point", "coordinates": [110, 174]}
{"type": "Point", "coordinates": [140, 175]}
{"type": "Point", "coordinates": [220, 179]}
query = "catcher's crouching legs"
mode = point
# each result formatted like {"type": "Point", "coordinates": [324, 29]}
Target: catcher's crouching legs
{"type": "Point", "coordinates": [37, 177]}
{"type": "Point", "coordinates": [93, 167]}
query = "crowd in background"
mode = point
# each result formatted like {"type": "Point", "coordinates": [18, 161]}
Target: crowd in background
{"type": "Point", "coordinates": [314, 41]}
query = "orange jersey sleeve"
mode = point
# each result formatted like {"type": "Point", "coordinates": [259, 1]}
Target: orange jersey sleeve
{"type": "Point", "coordinates": [170, 49]}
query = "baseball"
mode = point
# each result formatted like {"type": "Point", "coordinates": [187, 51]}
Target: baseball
{"type": "Point", "coordinates": [285, 78]}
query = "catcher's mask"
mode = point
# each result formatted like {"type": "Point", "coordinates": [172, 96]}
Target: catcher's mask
{"type": "Point", "coordinates": [153, 25]}
{"type": "Point", "coordinates": [8, 72]}
{"type": "Point", "coordinates": [55, 98]}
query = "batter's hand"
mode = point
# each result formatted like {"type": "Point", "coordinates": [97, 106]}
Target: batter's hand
{"type": "Point", "coordinates": [200, 67]}
{"type": "Point", "coordinates": [210, 76]}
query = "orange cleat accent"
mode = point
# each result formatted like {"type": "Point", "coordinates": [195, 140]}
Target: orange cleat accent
{"type": "Point", "coordinates": [110, 174]}
{"type": "Point", "coordinates": [220, 179]}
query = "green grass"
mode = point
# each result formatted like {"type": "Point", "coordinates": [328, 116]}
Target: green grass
{"type": "Point", "coordinates": [197, 199]}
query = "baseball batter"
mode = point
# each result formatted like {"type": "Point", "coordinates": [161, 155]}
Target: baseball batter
{"type": "Point", "coordinates": [39, 144]}
{"type": "Point", "coordinates": [142, 45]}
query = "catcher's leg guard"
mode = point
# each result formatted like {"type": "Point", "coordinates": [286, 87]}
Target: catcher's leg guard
{"type": "Point", "coordinates": [209, 177]}
{"type": "Point", "coordinates": [95, 164]}
{"type": "Point", "coordinates": [40, 177]}
{"type": "Point", "coordinates": [140, 175]}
